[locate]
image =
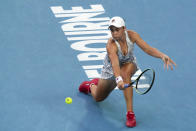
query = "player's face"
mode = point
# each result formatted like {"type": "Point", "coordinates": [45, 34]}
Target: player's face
{"type": "Point", "coordinates": [117, 33]}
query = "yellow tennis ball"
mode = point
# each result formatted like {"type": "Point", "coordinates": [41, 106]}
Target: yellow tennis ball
{"type": "Point", "coordinates": [68, 100]}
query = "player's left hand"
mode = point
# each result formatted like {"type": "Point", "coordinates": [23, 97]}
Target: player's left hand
{"type": "Point", "coordinates": [168, 62]}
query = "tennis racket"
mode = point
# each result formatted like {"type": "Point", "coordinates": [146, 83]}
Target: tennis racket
{"type": "Point", "coordinates": [143, 82]}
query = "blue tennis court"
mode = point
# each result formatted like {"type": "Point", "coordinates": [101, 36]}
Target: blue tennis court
{"type": "Point", "coordinates": [48, 48]}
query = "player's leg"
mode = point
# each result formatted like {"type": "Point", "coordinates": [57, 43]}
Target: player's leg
{"type": "Point", "coordinates": [103, 89]}
{"type": "Point", "coordinates": [99, 88]}
{"type": "Point", "coordinates": [127, 71]}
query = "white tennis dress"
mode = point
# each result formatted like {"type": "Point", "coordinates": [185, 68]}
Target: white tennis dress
{"type": "Point", "coordinates": [107, 72]}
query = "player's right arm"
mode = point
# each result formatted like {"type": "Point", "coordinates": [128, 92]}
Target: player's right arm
{"type": "Point", "coordinates": [112, 51]}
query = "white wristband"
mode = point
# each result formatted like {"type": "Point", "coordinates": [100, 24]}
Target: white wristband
{"type": "Point", "coordinates": [118, 79]}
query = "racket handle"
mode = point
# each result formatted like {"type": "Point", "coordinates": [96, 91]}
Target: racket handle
{"type": "Point", "coordinates": [126, 85]}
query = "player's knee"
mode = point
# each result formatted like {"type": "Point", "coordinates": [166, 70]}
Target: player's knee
{"type": "Point", "coordinates": [126, 77]}
{"type": "Point", "coordinates": [99, 99]}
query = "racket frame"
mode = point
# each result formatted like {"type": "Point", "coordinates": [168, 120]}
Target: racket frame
{"type": "Point", "coordinates": [137, 80]}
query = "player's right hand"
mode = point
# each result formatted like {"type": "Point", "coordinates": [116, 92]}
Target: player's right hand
{"type": "Point", "coordinates": [120, 85]}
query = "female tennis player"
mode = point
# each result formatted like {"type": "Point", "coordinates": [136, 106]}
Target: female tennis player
{"type": "Point", "coordinates": [120, 65]}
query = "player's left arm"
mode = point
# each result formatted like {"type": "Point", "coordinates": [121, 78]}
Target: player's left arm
{"type": "Point", "coordinates": [135, 37]}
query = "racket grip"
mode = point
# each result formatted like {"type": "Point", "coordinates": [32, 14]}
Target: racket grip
{"type": "Point", "coordinates": [126, 85]}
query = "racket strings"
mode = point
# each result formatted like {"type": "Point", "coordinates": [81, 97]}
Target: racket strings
{"type": "Point", "coordinates": [145, 81]}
